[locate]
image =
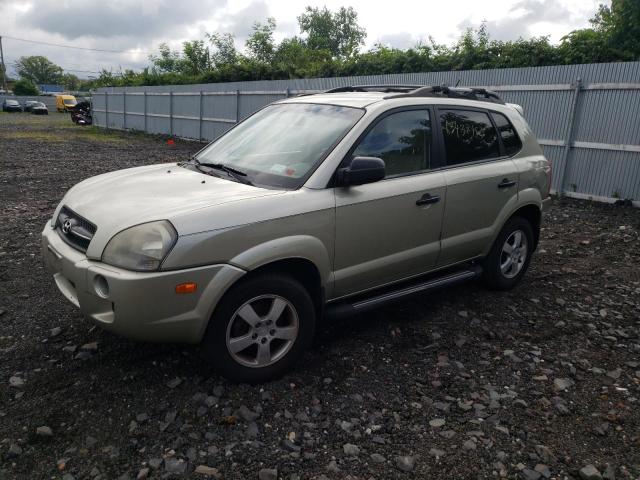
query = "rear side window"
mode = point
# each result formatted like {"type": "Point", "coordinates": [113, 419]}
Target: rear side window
{"type": "Point", "coordinates": [510, 139]}
{"type": "Point", "coordinates": [402, 140]}
{"type": "Point", "coordinates": [469, 136]}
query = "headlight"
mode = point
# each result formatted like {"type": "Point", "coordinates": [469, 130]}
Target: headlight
{"type": "Point", "coordinates": [142, 247]}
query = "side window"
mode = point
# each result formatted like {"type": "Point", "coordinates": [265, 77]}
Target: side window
{"type": "Point", "coordinates": [468, 136]}
{"type": "Point", "coordinates": [510, 139]}
{"type": "Point", "coordinates": [402, 140]}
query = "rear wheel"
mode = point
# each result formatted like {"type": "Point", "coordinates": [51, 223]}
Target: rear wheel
{"type": "Point", "coordinates": [260, 329]}
{"type": "Point", "coordinates": [510, 255]}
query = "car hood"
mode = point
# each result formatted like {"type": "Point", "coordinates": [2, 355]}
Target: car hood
{"type": "Point", "coordinates": [118, 200]}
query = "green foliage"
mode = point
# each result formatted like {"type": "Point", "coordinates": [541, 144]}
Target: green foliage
{"type": "Point", "coordinates": [25, 87]}
{"type": "Point", "coordinates": [329, 43]}
{"type": "Point", "coordinates": [38, 70]}
{"type": "Point", "coordinates": [336, 32]}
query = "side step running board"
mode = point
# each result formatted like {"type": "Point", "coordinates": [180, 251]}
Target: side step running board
{"type": "Point", "coordinates": [363, 305]}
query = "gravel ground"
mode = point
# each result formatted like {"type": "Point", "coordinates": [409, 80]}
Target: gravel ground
{"type": "Point", "coordinates": [541, 382]}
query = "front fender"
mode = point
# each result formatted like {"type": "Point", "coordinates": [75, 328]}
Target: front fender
{"type": "Point", "coordinates": [295, 246]}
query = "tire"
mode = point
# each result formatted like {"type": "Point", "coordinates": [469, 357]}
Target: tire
{"type": "Point", "coordinates": [500, 274]}
{"type": "Point", "coordinates": [264, 294]}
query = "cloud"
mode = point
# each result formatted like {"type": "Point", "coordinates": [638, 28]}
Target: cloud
{"type": "Point", "coordinates": [522, 18]}
{"type": "Point", "coordinates": [401, 40]}
{"type": "Point", "coordinates": [73, 19]}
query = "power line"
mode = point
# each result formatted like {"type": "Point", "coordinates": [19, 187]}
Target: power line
{"type": "Point", "coordinates": [73, 46]}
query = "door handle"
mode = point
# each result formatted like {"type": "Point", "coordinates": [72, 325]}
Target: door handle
{"type": "Point", "coordinates": [427, 199]}
{"type": "Point", "coordinates": [506, 183]}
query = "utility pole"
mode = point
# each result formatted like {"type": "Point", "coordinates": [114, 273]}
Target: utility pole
{"type": "Point", "coordinates": [4, 69]}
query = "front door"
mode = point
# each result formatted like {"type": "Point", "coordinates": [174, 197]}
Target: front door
{"type": "Point", "coordinates": [390, 230]}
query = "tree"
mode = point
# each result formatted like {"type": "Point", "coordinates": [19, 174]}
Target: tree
{"type": "Point", "coordinates": [225, 52]}
{"type": "Point", "coordinates": [38, 70]}
{"type": "Point", "coordinates": [167, 61]}
{"type": "Point", "coordinates": [196, 58]}
{"type": "Point", "coordinates": [71, 82]}
{"type": "Point", "coordinates": [25, 87]}
{"type": "Point", "coordinates": [338, 33]}
{"type": "Point", "coordinates": [620, 24]}
{"type": "Point", "coordinates": [260, 43]}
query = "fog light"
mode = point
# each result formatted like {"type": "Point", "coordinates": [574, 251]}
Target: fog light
{"type": "Point", "coordinates": [188, 287]}
{"type": "Point", "coordinates": [101, 286]}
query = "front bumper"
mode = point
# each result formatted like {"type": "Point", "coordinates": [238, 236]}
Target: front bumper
{"type": "Point", "coordinates": [141, 306]}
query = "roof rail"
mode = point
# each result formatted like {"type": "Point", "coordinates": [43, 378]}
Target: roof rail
{"type": "Point", "coordinates": [374, 88]}
{"type": "Point", "coordinates": [478, 94]}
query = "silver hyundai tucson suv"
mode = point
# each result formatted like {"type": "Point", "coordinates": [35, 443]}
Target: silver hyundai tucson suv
{"type": "Point", "coordinates": [316, 205]}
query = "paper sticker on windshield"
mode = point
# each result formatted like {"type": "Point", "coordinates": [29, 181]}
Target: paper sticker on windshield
{"type": "Point", "coordinates": [277, 168]}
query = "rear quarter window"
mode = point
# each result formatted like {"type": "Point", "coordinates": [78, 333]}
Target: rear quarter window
{"type": "Point", "coordinates": [510, 139]}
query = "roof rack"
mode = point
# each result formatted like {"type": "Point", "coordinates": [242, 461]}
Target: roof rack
{"type": "Point", "coordinates": [403, 91]}
{"type": "Point", "coordinates": [374, 88]}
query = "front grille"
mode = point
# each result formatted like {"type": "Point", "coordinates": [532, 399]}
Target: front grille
{"type": "Point", "coordinates": [74, 229]}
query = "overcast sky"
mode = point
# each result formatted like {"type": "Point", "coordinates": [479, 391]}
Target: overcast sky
{"type": "Point", "coordinates": [138, 26]}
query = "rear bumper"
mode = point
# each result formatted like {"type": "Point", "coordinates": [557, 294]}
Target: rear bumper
{"type": "Point", "coordinates": [141, 306]}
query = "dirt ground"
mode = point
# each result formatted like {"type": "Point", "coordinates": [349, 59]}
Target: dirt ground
{"type": "Point", "coordinates": [540, 382]}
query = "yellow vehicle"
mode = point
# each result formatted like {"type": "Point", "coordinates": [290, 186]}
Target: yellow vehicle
{"type": "Point", "coordinates": [64, 102]}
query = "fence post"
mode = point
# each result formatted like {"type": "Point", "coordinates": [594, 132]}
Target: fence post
{"type": "Point", "coordinates": [287, 93]}
{"type": "Point", "coordinates": [124, 109]}
{"type": "Point", "coordinates": [145, 111]}
{"type": "Point", "coordinates": [106, 109]}
{"type": "Point", "coordinates": [237, 106]}
{"type": "Point", "coordinates": [171, 113]}
{"type": "Point", "coordinates": [200, 118]}
{"type": "Point", "coordinates": [569, 136]}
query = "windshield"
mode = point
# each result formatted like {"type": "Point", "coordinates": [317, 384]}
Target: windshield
{"type": "Point", "coordinates": [12, 102]}
{"type": "Point", "coordinates": [281, 145]}
{"type": "Point", "coordinates": [68, 101]}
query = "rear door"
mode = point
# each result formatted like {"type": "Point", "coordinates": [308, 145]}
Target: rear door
{"type": "Point", "coordinates": [390, 229]}
{"type": "Point", "coordinates": [481, 181]}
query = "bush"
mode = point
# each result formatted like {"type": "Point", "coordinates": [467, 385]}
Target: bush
{"type": "Point", "coordinates": [25, 87]}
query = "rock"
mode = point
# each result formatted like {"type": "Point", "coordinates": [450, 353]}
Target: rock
{"type": "Point", "coordinates": [175, 465]}
{"type": "Point", "coordinates": [174, 383]}
{"type": "Point", "coordinates": [614, 374]}
{"type": "Point", "coordinates": [247, 415]}
{"type": "Point", "coordinates": [14, 450]}
{"type": "Point", "coordinates": [469, 445]}
{"type": "Point", "coordinates": [44, 431]}
{"type": "Point", "coordinates": [85, 355]}
{"type": "Point", "coordinates": [351, 449]}
{"type": "Point", "coordinates": [434, 452]}
{"type": "Point", "coordinates": [545, 454]}
{"type": "Point", "coordinates": [529, 474]}
{"type": "Point", "coordinates": [268, 474]}
{"type": "Point", "coordinates": [590, 473]}
{"type": "Point", "coordinates": [90, 347]}
{"type": "Point", "coordinates": [543, 470]}
{"type": "Point", "coordinates": [143, 474]}
{"type": "Point", "coordinates": [377, 458]}
{"type": "Point", "coordinates": [560, 384]}
{"type": "Point", "coordinates": [405, 463]}
{"type": "Point", "coordinates": [16, 382]}
{"type": "Point", "coordinates": [437, 422]}
{"type": "Point", "coordinates": [207, 471]}
{"type": "Point", "coordinates": [333, 466]}
{"type": "Point", "coordinates": [609, 473]}
{"type": "Point", "coordinates": [155, 463]}
{"type": "Point", "coordinates": [55, 331]}
{"type": "Point", "coordinates": [142, 417]}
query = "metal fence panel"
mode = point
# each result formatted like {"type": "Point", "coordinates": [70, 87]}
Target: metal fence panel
{"type": "Point", "coordinates": [587, 117]}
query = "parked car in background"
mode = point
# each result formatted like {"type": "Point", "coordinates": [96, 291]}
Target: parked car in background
{"type": "Point", "coordinates": [315, 205]}
{"type": "Point", "coordinates": [11, 106]}
{"type": "Point", "coordinates": [39, 109]}
{"type": "Point", "coordinates": [28, 104]}
{"type": "Point", "coordinates": [65, 102]}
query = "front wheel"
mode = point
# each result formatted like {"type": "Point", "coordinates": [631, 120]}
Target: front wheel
{"type": "Point", "coordinates": [510, 255]}
{"type": "Point", "coordinates": [260, 329]}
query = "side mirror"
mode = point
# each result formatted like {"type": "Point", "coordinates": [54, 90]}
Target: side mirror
{"type": "Point", "coordinates": [362, 170]}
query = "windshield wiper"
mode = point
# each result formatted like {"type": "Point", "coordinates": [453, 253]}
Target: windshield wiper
{"type": "Point", "coordinates": [231, 171]}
